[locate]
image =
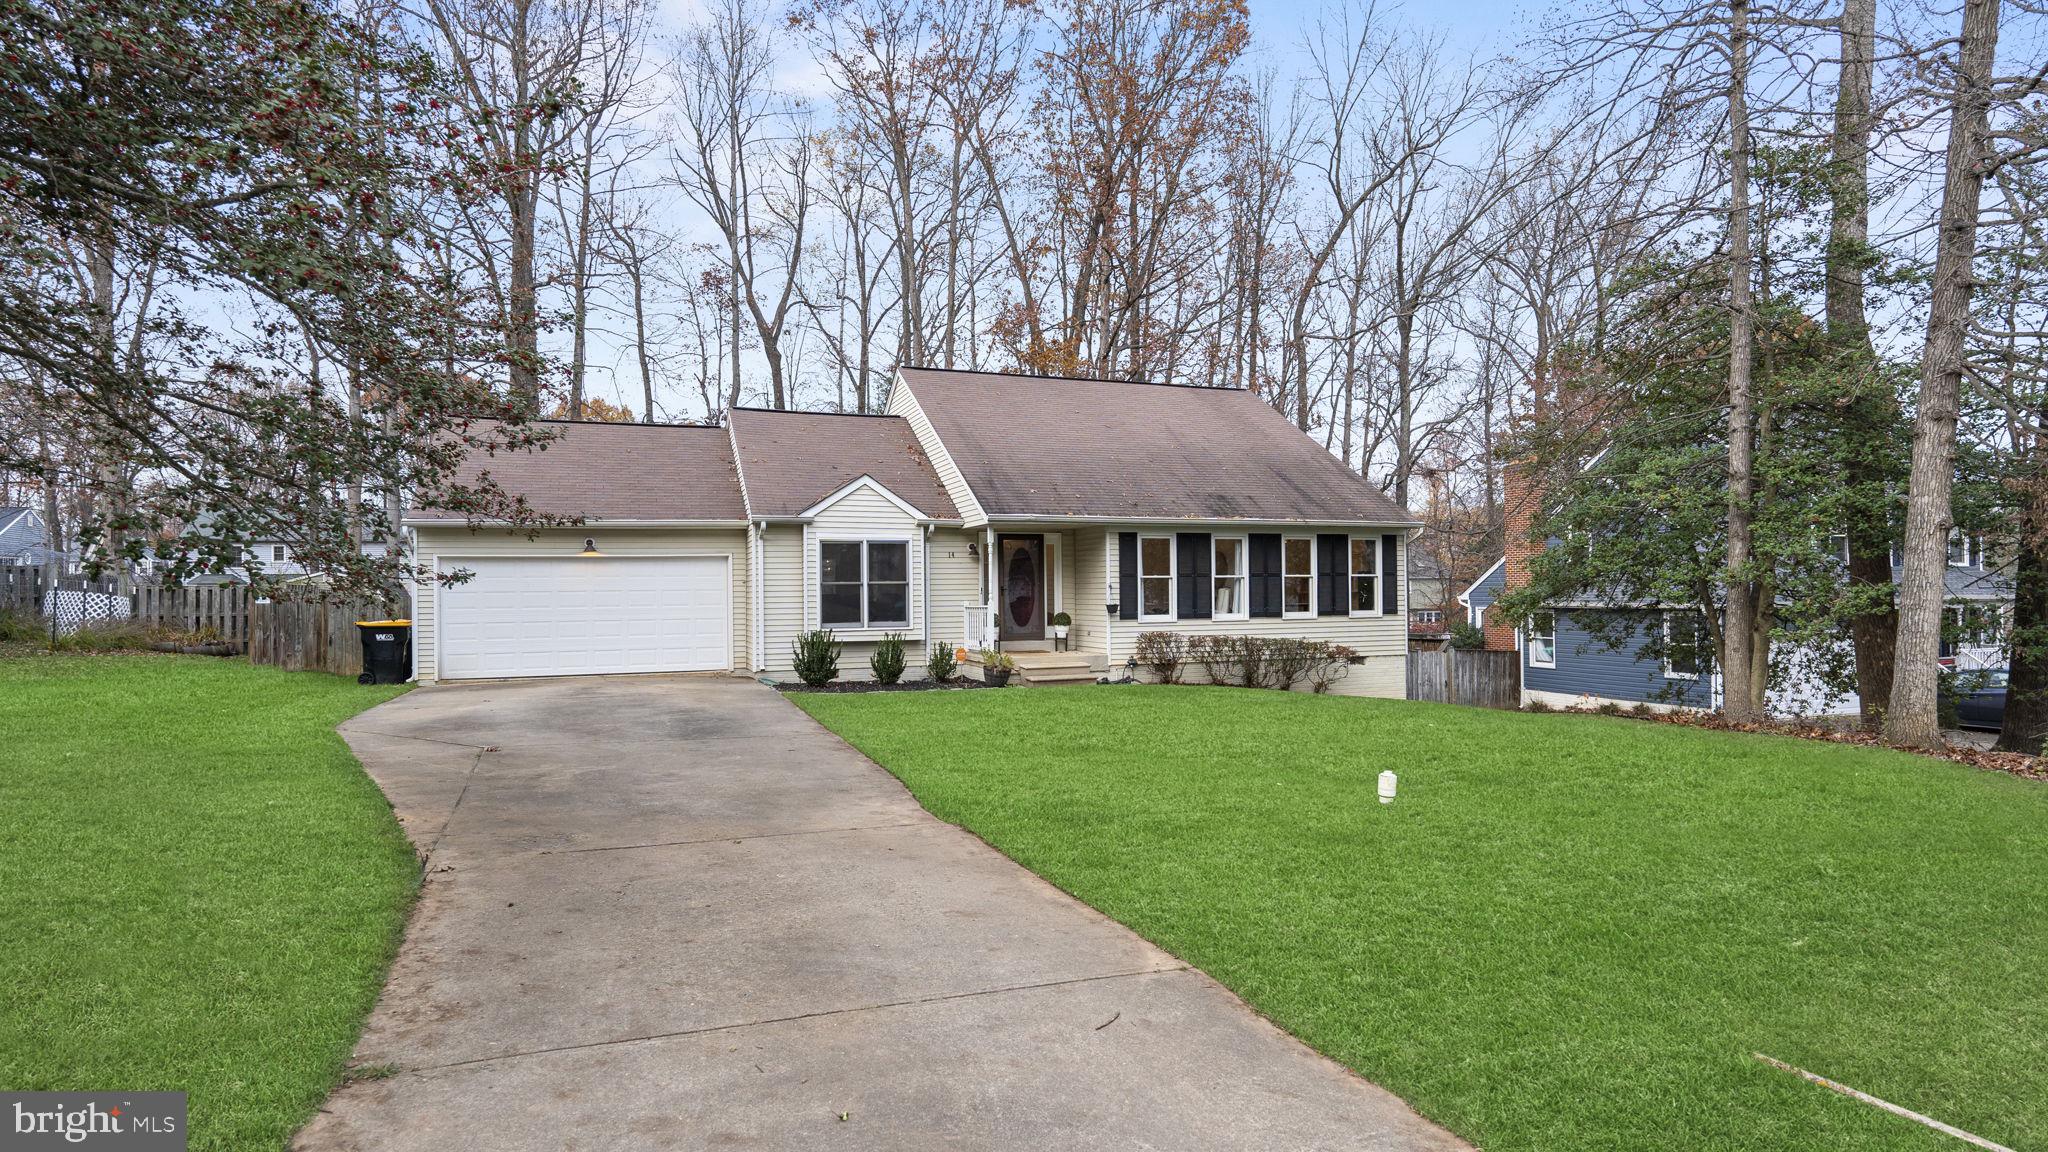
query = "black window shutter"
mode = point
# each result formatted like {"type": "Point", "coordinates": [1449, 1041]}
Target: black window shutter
{"type": "Point", "coordinates": [1127, 575]}
{"type": "Point", "coordinates": [1333, 572]}
{"type": "Point", "coordinates": [1390, 574]}
{"type": "Point", "coordinates": [1265, 574]}
{"type": "Point", "coordinates": [1194, 575]}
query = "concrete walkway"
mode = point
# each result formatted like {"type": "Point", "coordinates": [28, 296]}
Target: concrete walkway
{"type": "Point", "coordinates": [674, 913]}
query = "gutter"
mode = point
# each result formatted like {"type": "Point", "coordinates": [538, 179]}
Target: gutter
{"type": "Point", "coordinates": [461, 522]}
{"type": "Point", "coordinates": [1135, 519]}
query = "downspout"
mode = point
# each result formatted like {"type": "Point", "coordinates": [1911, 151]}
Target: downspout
{"type": "Point", "coordinates": [757, 567]}
{"type": "Point", "coordinates": [988, 551]}
{"type": "Point", "coordinates": [925, 590]}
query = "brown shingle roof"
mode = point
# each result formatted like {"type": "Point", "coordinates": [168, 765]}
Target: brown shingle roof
{"type": "Point", "coordinates": [621, 472]}
{"type": "Point", "coordinates": [792, 460]}
{"type": "Point", "coordinates": [1049, 446]}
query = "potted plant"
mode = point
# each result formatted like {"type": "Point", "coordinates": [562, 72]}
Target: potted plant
{"type": "Point", "coordinates": [996, 667]}
{"type": "Point", "coordinates": [1060, 623]}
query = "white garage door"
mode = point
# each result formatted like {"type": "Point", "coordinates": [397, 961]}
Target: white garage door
{"type": "Point", "coordinates": [585, 615]}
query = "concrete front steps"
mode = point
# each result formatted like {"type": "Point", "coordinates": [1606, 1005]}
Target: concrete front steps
{"type": "Point", "coordinates": [1038, 668]}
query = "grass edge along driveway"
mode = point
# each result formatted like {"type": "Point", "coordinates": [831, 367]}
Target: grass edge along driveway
{"type": "Point", "coordinates": [204, 888]}
{"type": "Point", "coordinates": [1570, 932]}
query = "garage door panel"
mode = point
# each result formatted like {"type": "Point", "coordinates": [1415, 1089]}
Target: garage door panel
{"type": "Point", "coordinates": [554, 616]}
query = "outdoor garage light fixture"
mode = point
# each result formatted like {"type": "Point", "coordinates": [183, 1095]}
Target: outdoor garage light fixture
{"type": "Point", "coordinates": [590, 546]}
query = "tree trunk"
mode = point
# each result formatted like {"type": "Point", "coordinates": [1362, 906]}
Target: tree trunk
{"type": "Point", "coordinates": [1739, 639]}
{"type": "Point", "coordinates": [524, 337]}
{"type": "Point", "coordinates": [2026, 693]}
{"type": "Point", "coordinates": [1912, 716]}
{"type": "Point", "coordinates": [1873, 408]}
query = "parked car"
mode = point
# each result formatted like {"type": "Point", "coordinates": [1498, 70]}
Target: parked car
{"type": "Point", "coordinates": [1980, 698]}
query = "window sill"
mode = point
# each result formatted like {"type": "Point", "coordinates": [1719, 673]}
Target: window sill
{"type": "Point", "coordinates": [867, 632]}
{"type": "Point", "coordinates": [1158, 619]}
{"type": "Point", "coordinates": [1299, 616]}
{"type": "Point", "coordinates": [1233, 618]}
{"type": "Point", "coordinates": [1357, 615]}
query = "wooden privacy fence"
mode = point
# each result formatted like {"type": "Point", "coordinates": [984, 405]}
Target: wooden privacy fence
{"type": "Point", "coordinates": [218, 610]}
{"type": "Point", "coordinates": [1485, 679]}
{"type": "Point", "coordinates": [303, 635]}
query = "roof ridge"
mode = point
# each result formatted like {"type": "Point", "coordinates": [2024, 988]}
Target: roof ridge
{"type": "Point", "coordinates": [1074, 379]}
{"type": "Point", "coordinates": [808, 412]}
{"type": "Point", "coordinates": [618, 423]}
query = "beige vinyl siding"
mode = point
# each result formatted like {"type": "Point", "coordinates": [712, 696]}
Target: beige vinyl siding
{"type": "Point", "coordinates": [902, 403]}
{"type": "Point", "coordinates": [441, 549]}
{"type": "Point", "coordinates": [955, 581]}
{"type": "Point", "coordinates": [782, 593]}
{"type": "Point", "coordinates": [1381, 640]}
{"type": "Point", "coordinates": [1092, 560]}
{"type": "Point", "coordinates": [790, 583]}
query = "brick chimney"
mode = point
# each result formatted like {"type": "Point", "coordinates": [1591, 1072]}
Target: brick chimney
{"type": "Point", "coordinates": [1521, 499]}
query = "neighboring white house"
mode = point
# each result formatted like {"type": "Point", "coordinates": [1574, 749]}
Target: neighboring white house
{"type": "Point", "coordinates": [980, 506]}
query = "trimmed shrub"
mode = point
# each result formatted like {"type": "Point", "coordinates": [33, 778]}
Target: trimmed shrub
{"type": "Point", "coordinates": [1331, 664]}
{"type": "Point", "coordinates": [1467, 637]}
{"type": "Point", "coordinates": [1165, 653]}
{"type": "Point", "coordinates": [940, 665]}
{"type": "Point", "coordinates": [1287, 662]}
{"type": "Point", "coordinates": [1213, 654]}
{"type": "Point", "coordinates": [887, 661]}
{"type": "Point", "coordinates": [1249, 653]}
{"type": "Point", "coordinates": [815, 656]}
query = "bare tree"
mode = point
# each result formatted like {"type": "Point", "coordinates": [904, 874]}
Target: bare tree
{"type": "Point", "coordinates": [1912, 717]}
{"type": "Point", "coordinates": [517, 65]}
{"type": "Point", "coordinates": [744, 159]}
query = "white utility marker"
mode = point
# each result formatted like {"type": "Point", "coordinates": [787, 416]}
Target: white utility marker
{"type": "Point", "coordinates": [1894, 1109]}
{"type": "Point", "coordinates": [1387, 781]}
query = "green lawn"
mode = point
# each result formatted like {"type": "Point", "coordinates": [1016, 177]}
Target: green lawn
{"type": "Point", "coordinates": [1570, 932]}
{"type": "Point", "coordinates": [199, 887]}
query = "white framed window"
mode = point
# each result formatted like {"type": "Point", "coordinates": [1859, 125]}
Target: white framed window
{"type": "Point", "coordinates": [1429, 616]}
{"type": "Point", "coordinates": [1298, 576]}
{"type": "Point", "coordinates": [1156, 571]}
{"type": "Point", "coordinates": [864, 584]}
{"type": "Point", "coordinates": [277, 553]}
{"type": "Point", "coordinates": [1228, 556]}
{"type": "Point", "coordinates": [1683, 637]}
{"type": "Point", "coordinates": [1365, 576]}
{"type": "Point", "coordinates": [1964, 550]}
{"type": "Point", "coordinates": [1542, 639]}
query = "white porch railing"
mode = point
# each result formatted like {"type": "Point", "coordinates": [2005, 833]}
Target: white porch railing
{"type": "Point", "coordinates": [977, 626]}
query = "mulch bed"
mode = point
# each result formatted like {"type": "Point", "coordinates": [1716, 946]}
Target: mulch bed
{"type": "Point", "coordinates": [871, 686]}
{"type": "Point", "coordinates": [2012, 763]}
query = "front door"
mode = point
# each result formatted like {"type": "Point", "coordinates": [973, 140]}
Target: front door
{"type": "Point", "coordinates": [1021, 580]}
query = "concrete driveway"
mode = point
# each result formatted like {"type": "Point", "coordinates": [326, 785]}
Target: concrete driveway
{"type": "Point", "coordinates": [674, 913]}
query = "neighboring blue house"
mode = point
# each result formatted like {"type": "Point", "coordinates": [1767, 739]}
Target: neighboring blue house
{"type": "Point", "coordinates": [25, 538]}
{"type": "Point", "coordinates": [1568, 658]}
{"type": "Point", "coordinates": [1590, 654]}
